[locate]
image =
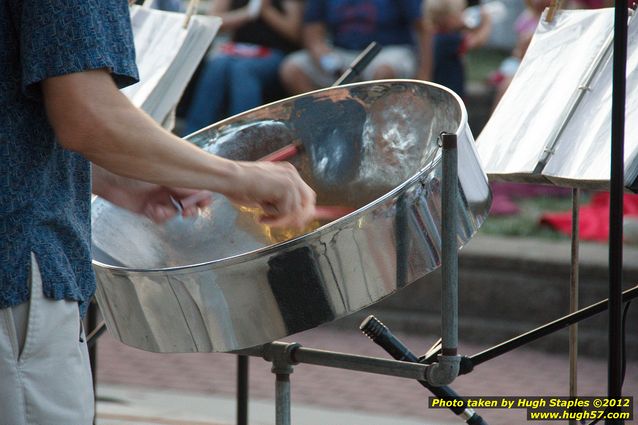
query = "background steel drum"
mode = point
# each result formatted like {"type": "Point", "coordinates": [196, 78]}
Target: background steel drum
{"type": "Point", "coordinates": [223, 282]}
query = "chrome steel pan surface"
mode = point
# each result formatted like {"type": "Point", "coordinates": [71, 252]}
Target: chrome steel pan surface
{"type": "Point", "coordinates": [222, 282]}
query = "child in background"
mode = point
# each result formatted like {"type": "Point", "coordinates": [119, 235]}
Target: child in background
{"type": "Point", "coordinates": [452, 39]}
{"type": "Point", "coordinates": [525, 26]}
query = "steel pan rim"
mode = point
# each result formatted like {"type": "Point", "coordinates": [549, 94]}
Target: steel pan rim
{"type": "Point", "coordinates": [250, 255]}
{"type": "Point", "coordinates": [459, 101]}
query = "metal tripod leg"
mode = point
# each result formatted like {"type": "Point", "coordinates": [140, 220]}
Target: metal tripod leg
{"type": "Point", "coordinates": [573, 300]}
{"type": "Point", "coordinates": [242, 390]}
{"type": "Point", "coordinates": [282, 395]}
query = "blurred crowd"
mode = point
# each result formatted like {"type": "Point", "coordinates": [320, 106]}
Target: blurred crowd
{"type": "Point", "coordinates": [270, 49]}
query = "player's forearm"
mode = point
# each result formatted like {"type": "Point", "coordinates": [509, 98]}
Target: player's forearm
{"type": "Point", "coordinates": [90, 116]}
{"type": "Point", "coordinates": [108, 185]}
{"type": "Point", "coordinates": [129, 143]}
{"type": "Point", "coordinates": [103, 181]}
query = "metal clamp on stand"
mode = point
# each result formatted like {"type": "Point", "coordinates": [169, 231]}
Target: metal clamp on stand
{"type": "Point", "coordinates": [280, 354]}
{"type": "Point", "coordinates": [381, 335]}
{"type": "Point", "coordinates": [284, 355]}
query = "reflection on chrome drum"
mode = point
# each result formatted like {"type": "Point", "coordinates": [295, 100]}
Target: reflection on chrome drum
{"type": "Point", "coordinates": [223, 282]}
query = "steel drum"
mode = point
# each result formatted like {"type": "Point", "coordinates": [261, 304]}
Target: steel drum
{"type": "Point", "coordinates": [223, 282]}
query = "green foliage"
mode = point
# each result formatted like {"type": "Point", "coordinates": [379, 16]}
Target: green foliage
{"type": "Point", "coordinates": [479, 64]}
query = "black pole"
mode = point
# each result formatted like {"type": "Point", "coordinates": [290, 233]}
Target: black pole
{"type": "Point", "coordinates": [92, 320]}
{"type": "Point", "coordinates": [541, 331]}
{"type": "Point", "coordinates": [242, 390]}
{"type": "Point", "coordinates": [614, 375]}
{"type": "Point", "coordinates": [359, 64]}
{"type": "Point", "coordinates": [98, 330]}
{"type": "Point", "coordinates": [381, 335]}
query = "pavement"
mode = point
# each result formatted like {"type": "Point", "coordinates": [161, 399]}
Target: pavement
{"type": "Point", "coordinates": [138, 387]}
{"type": "Point", "coordinates": [121, 405]}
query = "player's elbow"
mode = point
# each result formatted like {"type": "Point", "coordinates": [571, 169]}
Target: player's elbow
{"type": "Point", "coordinates": [78, 129]}
{"type": "Point", "coordinates": [77, 107]}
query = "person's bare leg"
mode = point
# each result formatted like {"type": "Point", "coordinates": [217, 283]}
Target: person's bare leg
{"type": "Point", "coordinates": [500, 91]}
{"type": "Point", "coordinates": [294, 79]}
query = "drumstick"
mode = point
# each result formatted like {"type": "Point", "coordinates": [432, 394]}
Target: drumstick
{"type": "Point", "coordinates": [331, 212]}
{"type": "Point", "coordinates": [282, 154]}
{"type": "Point", "coordinates": [322, 212]}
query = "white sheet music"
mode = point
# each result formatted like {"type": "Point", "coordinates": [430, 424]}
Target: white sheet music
{"type": "Point", "coordinates": [584, 148]}
{"type": "Point", "coordinates": [167, 56]}
{"type": "Point", "coordinates": [545, 105]}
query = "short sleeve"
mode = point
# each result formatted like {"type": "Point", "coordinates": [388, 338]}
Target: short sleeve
{"type": "Point", "coordinates": [59, 37]}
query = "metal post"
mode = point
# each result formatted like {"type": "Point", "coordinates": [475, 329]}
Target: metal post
{"type": "Point", "coordinates": [242, 390]}
{"type": "Point", "coordinates": [446, 369]}
{"type": "Point", "coordinates": [573, 300]}
{"type": "Point", "coordinates": [354, 362]}
{"type": "Point", "coordinates": [282, 369]}
{"type": "Point", "coordinates": [293, 353]}
{"type": "Point", "coordinates": [91, 323]}
{"type": "Point", "coordinates": [449, 246]}
{"type": "Point", "coordinates": [282, 403]}
{"type": "Point", "coordinates": [614, 375]}
{"type": "Point", "coordinates": [91, 338]}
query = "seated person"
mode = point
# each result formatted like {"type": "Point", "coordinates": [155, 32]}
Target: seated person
{"type": "Point", "coordinates": [335, 32]}
{"type": "Point", "coordinates": [236, 77]}
{"type": "Point", "coordinates": [452, 39]}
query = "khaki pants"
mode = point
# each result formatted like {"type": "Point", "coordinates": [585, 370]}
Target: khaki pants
{"type": "Point", "coordinates": [400, 58]}
{"type": "Point", "coordinates": [45, 376]}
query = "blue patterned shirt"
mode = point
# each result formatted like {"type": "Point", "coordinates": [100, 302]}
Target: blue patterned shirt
{"type": "Point", "coordinates": [45, 189]}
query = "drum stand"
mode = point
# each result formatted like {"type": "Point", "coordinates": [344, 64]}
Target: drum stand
{"type": "Point", "coordinates": [286, 355]}
{"type": "Point", "coordinates": [407, 365]}
{"type": "Point", "coordinates": [437, 370]}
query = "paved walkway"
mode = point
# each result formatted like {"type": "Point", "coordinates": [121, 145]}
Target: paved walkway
{"type": "Point", "coordinates": [120, 405]}
{"type": "Point", "coordinates": [138, 387]}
